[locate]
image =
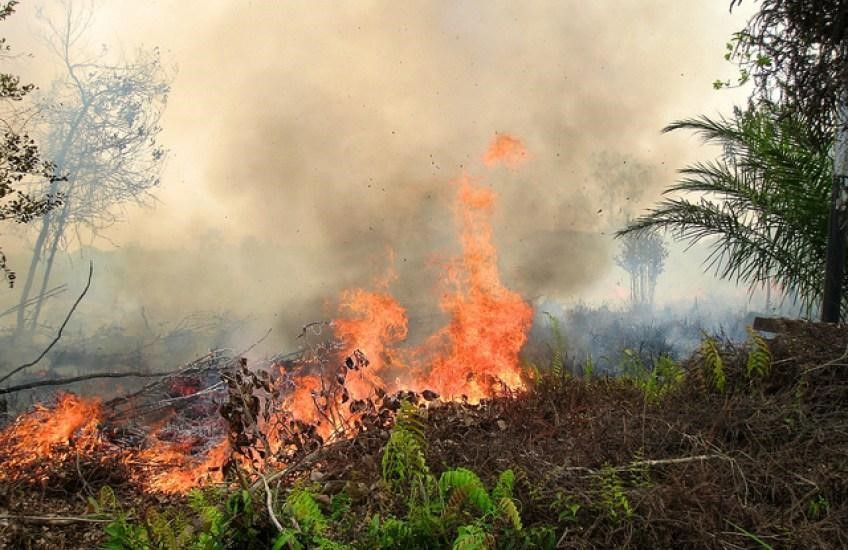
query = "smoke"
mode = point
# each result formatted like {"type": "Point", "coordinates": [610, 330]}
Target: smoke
{"type": "Point", "coordinates": [307, 139]}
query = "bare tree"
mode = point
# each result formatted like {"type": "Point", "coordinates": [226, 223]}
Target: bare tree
{"type": "Point", "coordinates": [102, 120]}
{"type": "Point", "coordinates": [642, 256]}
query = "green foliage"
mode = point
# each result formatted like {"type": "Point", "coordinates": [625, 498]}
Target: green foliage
{"type": "Point", "coordinates": [390, 533]}
{"type": "Point", "coordinates": [106, 501]}
{"type": "Point", "coordinates": [565, 508]}
{"type": "Point", "coordinates": [504, 486]}
{"type": "Point", "coordinates": [760, 542]}
{"type": "Point", "coordinates": [508, 510]}
{"type": "Point", "coordinates": [304, 509]}
{"type": "Point", "coordinates": [557, 348]}
{"type": "Point", "coordinates": [465, 483]}
{"type": "Point", "coordinates": [219, 521]}
{"type": "Point", "coordinates": [471, 537]}
{"type": "Point", "coordinates": [404, 465]}
{"type": "Point", "coordinates": [614, 501]}
{"type": "Point", "coordinates": [713, 364]}
{"type": "Point", "coordinates": [818, 507]}
{"type": "Point", "coordinates": [588, 367]}
{"type": "Point", "coordinates": [457, 510]}
{"type": "Point", "coordinates": [759, 355]}
{"type": "Point", "coordinates": [655, 382]}
{"type": "Point", "coordinates": [759, 206]}
{"type": "Point", "coordinates": [121, 534]}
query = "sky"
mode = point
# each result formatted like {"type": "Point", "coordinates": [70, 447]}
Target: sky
{"type": "Point", "coordinates": [306, 139]}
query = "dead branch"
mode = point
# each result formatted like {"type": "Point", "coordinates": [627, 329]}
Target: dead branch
{"type": "Point", "coordinates": [58, 334]}
{"type": "Point", "coordinates": [56, 520]}
{"type": "Point", "coordinates": [71, 380]}
{"type": "Point", "coordinates": [316, 331]}
{"type": "Point", "coordinates": [270, 505]}
{"type": "Point", "coordinates": [831, 363]}
{"type": "Point", "coordinates": [55, 291]}
{"type": "Point", "coordinates": [210, 361]}
{"type": "Point", "coordinates": [304, 462]}
{"type": "Point", "coordinates": [642, 463]}
{"type": "Point", "coordinates": [164, 403]}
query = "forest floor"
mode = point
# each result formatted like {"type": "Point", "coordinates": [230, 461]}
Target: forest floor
{"type": "Point", "coordinates": [599, 462]}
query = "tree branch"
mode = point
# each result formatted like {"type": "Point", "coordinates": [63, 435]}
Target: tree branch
{"type": "Point", "coordinates": [65, 381]}
{"type": "Point", "coordinates": [61, 328]}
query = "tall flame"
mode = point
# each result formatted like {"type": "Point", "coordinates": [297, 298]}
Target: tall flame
{"type": "Point", "coordinates": [477, 351]}
{"type": "Point", "coordinates": [488, 323]}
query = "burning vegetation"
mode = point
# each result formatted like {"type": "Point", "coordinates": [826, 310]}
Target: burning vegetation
{"type": "Point", "coordinates": [370, 442]}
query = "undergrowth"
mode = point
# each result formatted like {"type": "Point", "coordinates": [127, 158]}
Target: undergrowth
{"type": "Point", "coordinates": [665, 455]}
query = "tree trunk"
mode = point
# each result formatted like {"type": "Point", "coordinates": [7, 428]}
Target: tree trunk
{"type": "Point", "coordinates": [38, 251]}
{"type": "Point", "coordinates": [835, 259]}
{"type": "Point", "coordinates": [48, 266]}
{"type": "Point", "coordinates": [33, 266]}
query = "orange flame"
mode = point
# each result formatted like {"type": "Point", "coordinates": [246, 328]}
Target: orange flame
{"type": "Point", "coordinates": [506, 150]}
{"type": "Point", "coordinates": [488, 323]}
{"type": "Point", "coordinates": [473, 355]}
{"type": "Point", "coordinates": [34, 435]}
{"type": "Point", "coordinates": [181, 473]}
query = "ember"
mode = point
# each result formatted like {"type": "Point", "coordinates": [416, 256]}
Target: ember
{"type": "Point", "coordinates": [37, 434]}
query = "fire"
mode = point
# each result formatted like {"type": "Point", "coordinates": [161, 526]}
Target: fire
{"type": "Point", "coordinates": [477, 351]}
{"type": "Point", "coordinates": [488, 322]}
{"type": "Point", "coordinates": [181, 473]}
{"type": "Point", "coordinates": [375, 323]}
{"type": "Point", "coordinates": [473, 355]}
{"type": "Point", "coordinates": [506, 150]}
{"type": "Point", "coordinates": [35, 435]}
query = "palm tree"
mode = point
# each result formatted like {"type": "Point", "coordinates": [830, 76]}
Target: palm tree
{"type": "Point", "coordinates": [762, 206]}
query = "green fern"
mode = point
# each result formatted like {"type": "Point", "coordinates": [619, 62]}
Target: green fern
{"type": "Point", "coordinates": [301, 504]}
{"type": "Point", "coordinates": [106, 501]}
{"type": "Point", "coordinates": [404, 465]}
{"type": "Point", "coordinates": [613, 498]}
{"type": "Point", "coordinates": [471, 537]}
{"type": "Point", "coordinates": [390, 532]}
{"type": "Point", "coordinates": [287, 538]}
{"type": "Point", "coordinates": [759, 355]}
{"type": "Point", "coordinates": [713, 364]}
{"type": "Point", "coordinates": [504, 486]}
{"type": "Point", "coordinates": [557, 348]}
{"type": "Point", "coordinates": [509, 510]}
{"type": "Point", "coordinates": [656, 382]}
{"type": "Point", "coordinates": [469, 484]}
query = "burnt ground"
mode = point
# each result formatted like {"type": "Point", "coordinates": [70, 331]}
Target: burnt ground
{"type": "Point", "coordinates": [762, 464]}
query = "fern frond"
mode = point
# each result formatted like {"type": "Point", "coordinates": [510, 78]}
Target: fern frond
{"type": "Point", "coordinates": [468, 482]}
{"type": "Point", "coordinates": [404, 465]}
{"type": "Point", "coordinates": [759, 355]}
{"type": "Point", "coordinates": [302, 506]}
{"type": "Point", "coordinates": [713, 363]}
{"type": "Point", "coordinates": [504, 486]}
{"type": "Point", "coordinates": [470, 537]}
{"type": "Point", "coordinates": [510, 511]}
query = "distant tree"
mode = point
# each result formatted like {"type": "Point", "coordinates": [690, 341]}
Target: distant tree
{"type": "Point", "coordinates": [21, 162]}
{"type": "Point", "coordinates": [102, 121]}
{"type": "Point", "coordinates": [642, 256]}
{"type": "Point", "coordinates": [761, 206]}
